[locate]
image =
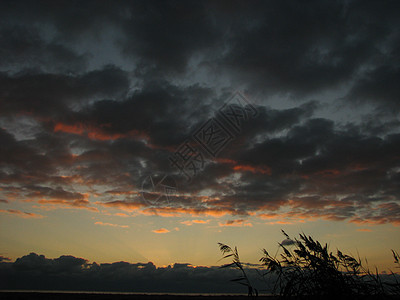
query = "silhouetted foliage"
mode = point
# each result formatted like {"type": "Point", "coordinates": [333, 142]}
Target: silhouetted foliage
{"type": "Point", "coordinates": [306, 268]}
{"type": "Point", "coordinates": [244, 280]}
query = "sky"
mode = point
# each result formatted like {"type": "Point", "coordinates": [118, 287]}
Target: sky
{"type": "Point", "coordinates": [149, 131]}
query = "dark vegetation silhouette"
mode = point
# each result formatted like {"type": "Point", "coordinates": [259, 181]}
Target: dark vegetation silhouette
{"type": "Point", "coordinates": [306, 269]}
{"type": "Point", "coordinates": [243, 279]}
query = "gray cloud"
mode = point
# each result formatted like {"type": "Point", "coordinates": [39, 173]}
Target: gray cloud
{"type": "Point", "coordinates": [67, 130]}
{"type": "Point", "coordinates": [35, 271]}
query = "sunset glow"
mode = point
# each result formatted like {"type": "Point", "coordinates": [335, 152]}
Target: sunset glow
{"type": "Point", "coordinates": [145, 132]}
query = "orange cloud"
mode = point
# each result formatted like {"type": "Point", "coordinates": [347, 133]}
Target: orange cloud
{"type": "Point", "coordinates": [78, 204]}
{"type": "Point", "coordinates": [123, 205]}
{"type": "Point", "coordinates": [21, 214]}
{"type": "Point", "coordinates": [96, 132]}
{"type": "Point", "coordinates": [280, 223]}
{"type": "Point", "coordinates": [235, 223]}
{"type": "Point", "coordinates": [238, 167]}
{"type": "Point", "coordinates": [174, 212]}
{"type": "Point", "coordinates": [189, 223]}
{"type": "Point", "coordinates": [102, 136]}
{"type": "Point", "coordinates": [75, 128]}
{"type": "Point", "coordinates": [267, 216]}
{"type": "Point", "coordinates": [110, 224]}
{"type": "Point", "coordinates": [121, 215]}
{"type": "Point", "coordinates": [364, 230]}
{"type": "Point", "coordinates": [262, 170]}
{"type": "Point", "coordinates": [123, 193]}
{"type": "Point", "coordinates": [287, 218]}
{"type": "Point", "coordinates": [225, 161]}
{"type": "Point", "coordinates": [161, 230]}
{"type": "Point", "coordinates": [375, 221]}
{"type": "Point", "coordinates": [200, 221]}
{"type": "Point", "coordinates": [328, 173]}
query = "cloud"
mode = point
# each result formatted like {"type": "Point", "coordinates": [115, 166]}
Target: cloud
{"type": "Point", "coordinates": [288, 242]}
{"type": "Point", "coordinates": [110, 224]}
{"type": "Point", "coordinates": [38, 263]}
{"type": "Point", "coordinates": [364, 230]}
{"type": "Point", "coordinates": [176, 42]}
{"type": "Point", "coordinates": [235, 223]}
{"type": "Point", "coordinates": [121, 215]}
{"type": "Point", "coordinates": [378, 87]}
{"type": "Point", "coordinates": [307, 53]}
{"type": "Point", "coordinates": [29, 91]}
{"type": "Point", "coordinates": [123, 205]}
{"type": "Point", "coordinates": [191, 222]}
{"type": "Point", "coordinates": [262, 170]}
{"type": "Point", "coordinates": [3, 258]}
{"type": "Point", "coordinates": [21, 214]}
{"type": "Point", "coordinates": [275, 47]}
{"type": "Point", "coordinates": [94, 133]}
{"type": "Point", "coordinates": [67, 272]}
{"type": "Point", "coordinates": [161, 230]}
{"type": "Point", "coordinates": [90, 108]}
{"type": "Point", "coordinates": [178, 211]}
{"type": "Point", "coordinates": [24, 45]}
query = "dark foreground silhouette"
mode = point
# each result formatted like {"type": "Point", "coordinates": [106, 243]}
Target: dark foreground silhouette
{"type": "Point", "coordinates": [115, 296]}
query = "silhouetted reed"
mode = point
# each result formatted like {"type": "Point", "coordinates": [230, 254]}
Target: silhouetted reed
{"type": "Point", "coordinates": [307, 269]}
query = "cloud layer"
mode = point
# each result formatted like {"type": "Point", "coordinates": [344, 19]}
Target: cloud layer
{"type": "Point", "coordinates": [90, 108]}
{"type": "Point", "coordinates": [65, 273]}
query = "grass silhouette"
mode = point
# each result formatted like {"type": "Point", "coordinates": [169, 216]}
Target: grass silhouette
{"type": "Point", "coordinates": [307, 269]}
{"type": "Point", "coordinates": [243, 279]}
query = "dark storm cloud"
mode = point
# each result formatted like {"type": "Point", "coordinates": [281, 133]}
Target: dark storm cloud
{"type": "Point", "coordinates": [161, 110]}
{"type": "Point", "coordinates": [71, 19]}
{"type": "Point", "coordinates": [105, 128]}
{"type": "Point", "coordinates": [25, 170]}
{"type": "Point", "coordinates": [37, 191]}
{"type": "Point", "coordinates": [379, 86]}
{"type": "Point", "coordinates": [21, 157]}
{"type": "Point", "coordinates": [49, 95]}
{"type": "Point", "coordinates": [73, 273]}
{"type": "Point", "coordinates": [280, 47]}
{"type": "Point", "coordinates": [23, 46]}
{"type": "Point", "coordinates": [295, 48]}
{"type": "Point", "coordinates": [166, 34]}
{"type": "Point", "coordinates": [380, 123]}
{"type": "Point", "coordinates": [328, 164]}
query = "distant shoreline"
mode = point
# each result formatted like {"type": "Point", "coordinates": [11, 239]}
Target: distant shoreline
{"type": "Point", "coordinates": [98, 295]}
{"type": "Point", "coordinates": [33, 294]}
